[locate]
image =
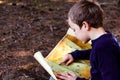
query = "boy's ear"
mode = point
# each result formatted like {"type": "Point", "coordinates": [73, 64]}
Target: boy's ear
{"type": "Point", "coordinates": [86, 25]}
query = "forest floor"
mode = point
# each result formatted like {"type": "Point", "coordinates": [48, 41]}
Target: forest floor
{"type": "Point", "coordinates": [27, 27]}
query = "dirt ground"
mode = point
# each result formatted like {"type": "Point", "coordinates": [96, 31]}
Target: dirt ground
{"type": "Point", "coordinates": [27, 27]}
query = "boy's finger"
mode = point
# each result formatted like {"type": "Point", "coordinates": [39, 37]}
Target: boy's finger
{"type": "Point", "coordinates": [71, 74]}
{"type": "Point", "coordinates": [63, 61]}
{"type": "Point", "coordinates": [60, 62]}
{"type": "Point", "coordinates": [61, 76]}
{"type": "Point", "coordinates": [68, 62]}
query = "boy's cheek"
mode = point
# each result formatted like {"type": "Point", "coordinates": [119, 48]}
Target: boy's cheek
{"type": "Point", "coordinates": [82, 38]}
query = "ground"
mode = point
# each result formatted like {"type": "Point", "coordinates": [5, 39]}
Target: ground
{"type": "Point", "coordinates": [27, 27]}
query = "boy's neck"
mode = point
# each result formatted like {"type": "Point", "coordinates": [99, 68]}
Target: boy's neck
{"type": "Point", "coordinates": [96, 33]}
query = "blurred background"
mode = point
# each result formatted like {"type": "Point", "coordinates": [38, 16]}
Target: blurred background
{"type": "Point", "coordinates": [27, 26]}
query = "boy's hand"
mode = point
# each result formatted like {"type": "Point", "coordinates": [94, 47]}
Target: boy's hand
{"type": "Point", "coordinates": [67, 59]}
{"type": "Point", "coordinates": [69, 76]}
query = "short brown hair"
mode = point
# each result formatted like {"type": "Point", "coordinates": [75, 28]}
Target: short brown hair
{"type": "Point", "coordinates": [88, 11]}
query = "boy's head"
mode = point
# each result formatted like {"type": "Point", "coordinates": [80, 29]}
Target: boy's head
{"type": "Point", "coordinates": [85, 14]}
{"type": "Point", "coordinates": [87, 11]}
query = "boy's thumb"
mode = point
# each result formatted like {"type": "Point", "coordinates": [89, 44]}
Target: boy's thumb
{"type": "Point", "coordinates": [68, 62]}
{"type": "Point", "coordinates": [63, 61]}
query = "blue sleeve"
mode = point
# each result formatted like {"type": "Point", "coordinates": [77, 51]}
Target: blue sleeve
{"type": "Point", "coordinates": [108, 63]}
{"type": "Point", "coordinates": [80, 78]}
{"type": "Point", "coordinates": [81, 54]}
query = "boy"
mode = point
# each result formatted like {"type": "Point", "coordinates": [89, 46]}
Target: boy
{"type": "Point", "coordinates": [86, 19]}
